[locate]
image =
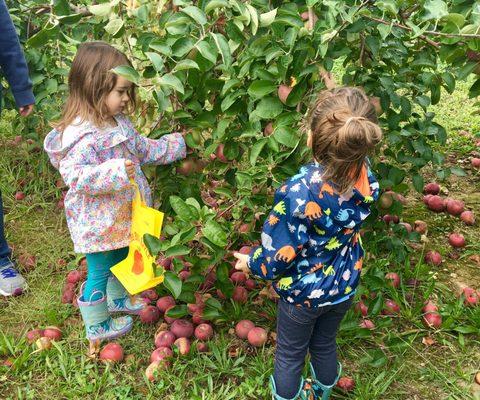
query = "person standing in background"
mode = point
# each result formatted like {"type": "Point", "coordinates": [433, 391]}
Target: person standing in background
{"type": "Point", "coordinates": [13, 67]}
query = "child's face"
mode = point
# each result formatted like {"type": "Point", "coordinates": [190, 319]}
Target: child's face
{"type": "Point", "coordinates": [118, 98]}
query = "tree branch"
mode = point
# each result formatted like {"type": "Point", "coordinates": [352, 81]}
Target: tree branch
{"type": "Point", "coordinates": [432, 33]}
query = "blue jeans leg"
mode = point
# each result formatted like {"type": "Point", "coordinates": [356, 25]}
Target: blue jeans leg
{"type": "Point", "coordinates": [323, 344]}
{"type": "Point", "coordinates": [293, 336]}
{"type": "Point", "coordinates": [302, 329]}
{"type": "Point", "coordinates": [5, 252]}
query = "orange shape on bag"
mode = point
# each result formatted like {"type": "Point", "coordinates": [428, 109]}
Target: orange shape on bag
{"type": "Point", "coordinates": [137, 263]}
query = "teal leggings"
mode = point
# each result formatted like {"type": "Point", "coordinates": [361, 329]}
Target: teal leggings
{"type": "Point", "coordinates": [99, 265]}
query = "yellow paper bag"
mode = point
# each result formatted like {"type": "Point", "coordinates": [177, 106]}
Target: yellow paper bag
{"type": "Point", "coordinates": [137, 271]}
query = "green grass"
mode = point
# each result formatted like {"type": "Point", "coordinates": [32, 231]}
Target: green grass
{"type": "Point", "coordinates": [390, 363]}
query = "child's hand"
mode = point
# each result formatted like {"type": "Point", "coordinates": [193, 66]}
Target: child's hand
{"type": "Point", "coordinates": [130, 169]}
{"type": "Point", "coordinates": [242, 262]}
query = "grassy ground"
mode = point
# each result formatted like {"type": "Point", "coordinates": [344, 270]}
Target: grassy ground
{"type": "Point", "coordinates": [390, 363]}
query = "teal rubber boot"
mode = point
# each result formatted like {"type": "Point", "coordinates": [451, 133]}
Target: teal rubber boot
{"type": "Point", "coordinates": [99, 325]}
{"type": "Point", "coordinates": [120, 301]}
{"type": "Point", "coordinates": [321, 391]}
{"type": "Point", "coordinates": [305, 391]}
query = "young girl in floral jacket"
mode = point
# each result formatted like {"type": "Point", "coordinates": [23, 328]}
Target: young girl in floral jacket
{"type": "Point", "coordinates": [98, 153]}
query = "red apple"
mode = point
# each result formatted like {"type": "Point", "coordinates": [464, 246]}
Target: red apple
{"type": "Point", "coordinates": [33, 335]}
{"type": "Point", "coordinates": [432, 320]}
{"type": "Point", "coordinates": [391, 308]}
{"type": "Point", "coordinates": [456, 240]}
{"type": "Point", "coordinates": [433, 258]}
{"type": "Point", "coordinates": [238, 278]}
{"type": "Point", "coordinates": [19, 196]}
{"type": "Point", "coordinates": [268, 130]}
{"type": "Point", "coordinates": [257, 337]}
{"type": "Point", "coordinates": [431, 188]}
{"type": "Point", "coordinates": [240, 294]}
{"type": "Point", "coordinates": [202, 347]}
{"type": "Point", "coordinates": [361, 308]}
{"type": "Point", "coordinates": [243, 327]}
{"type": "Point", "coordinates": [74, 276]}
{"type": "Point", "coordinates": [436, 203]}
{"type": "Point", "coordinates": [346, 383]}
{"type": "Point", "coordinates": [160, 354]}
{"type": "Point", "coordinates": [471, 297]}
{"type": "Point", "coordinates": [475, 162]}
{"type": "Point", "coordinates": [183, 345]}
{"type": "Point", "coordinates": [150, 315]}
{"type": "Point", "coordinates": [420, 227]}
{"type": "Point", "coordinates": [112, 352]}
{"type": "Point", "coordinates": [394, 279]}
{"type": "Point", "coordinates": [204, 332]}
{"type": "Point", "coordinates": [455, 207]}
{"type": "Point", "coordinates": [164, 339]}
{"type": "Point", "coordinates": [165, 302]}
{"type": "Point", "coordinates": [429, 307]}
{"type": "Point", "coordinates": [182, 328]}
{"type": "Point", "coordinates": [245, 250]}
{"type": "Point", "coordinates": [468, 217]}
{"type": "Point", "coordinates": [367, 324]}
{"type": "Point", "coordinates": [283, 92]}
{"type": "Point", "coordinates": [52, 332]}
{"type": "Point", "coordinates": [219, 153]}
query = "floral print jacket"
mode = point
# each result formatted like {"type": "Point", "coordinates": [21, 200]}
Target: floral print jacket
{"type": "Point", "coordinates": [311, 244]}
{"type": "Point", "coordinates": [92, 164]}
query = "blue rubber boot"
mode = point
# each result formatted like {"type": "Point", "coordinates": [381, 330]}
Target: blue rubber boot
{"type": "Point", "coordinates": [120, 301]}
{"type": "Point", "coordinates": [321, 391]}
{"type": "Point", "coordinates": [305, 391]}
{"type": "Point", "coordinates": [99, 325]}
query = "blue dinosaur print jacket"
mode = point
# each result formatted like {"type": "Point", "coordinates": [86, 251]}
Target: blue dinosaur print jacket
{"type": "Point", "coordinates": [311, 244]}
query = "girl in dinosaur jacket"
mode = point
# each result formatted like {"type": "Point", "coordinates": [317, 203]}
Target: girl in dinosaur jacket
{"type": "Point", "coordinates": [311, 245]}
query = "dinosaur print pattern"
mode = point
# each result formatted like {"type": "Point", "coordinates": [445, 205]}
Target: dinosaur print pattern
{"type": "Point", "coordinates": [310, 242]}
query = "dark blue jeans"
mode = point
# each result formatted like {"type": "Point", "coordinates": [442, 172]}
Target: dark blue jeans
{"type": "Point", "coordinates": [4, 249]}
{"type": "Point", "coordinates": [301, 330]}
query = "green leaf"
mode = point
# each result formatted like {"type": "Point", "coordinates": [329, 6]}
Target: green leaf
{"type": "Point", "coordinates": [266, 19]}
{"type": "Point", "coordinates": [178, 250]}
{"type": "Point", "coordinates": [179, 311]}
{"type": "Point", "coordinates": [474, 91]}
{"type": "Point", "coordinates": [182, 209]}
{"type": "Point", "coordinates": [466, 329]}
{"type": "Point", "coordinates": [286, 136]}
{"type": "Point", "coordinates": [261, 88]}
{"type": "Point", "coordinates": [153, 244]}
{"type": "Point", "coordinates": [388, 6]}
{"type": "Point", "coordinates": [49, 32]}
{"type": "Point", "coordinates": [187, 296]}
{"type": "Point", "coordinates": [207, 51]}
{"type": "Point", "coordinates": [173, 283]}
{"type": "Point", "coordinates": [418, 183]}
{"type": "Point", "coordinates": [210, 313]}
{"type": "Point", "coordinates": [222, 272]}
{"type": "Point", "coordinates": [435, 9]}
{"type": "Point", "coordinates": [223, 47]}
{"type": "Point", "coordinates": [213, 4]}
{"type": "Point", "coordinates": [173, 82]}
{"type": "Point", "coordinates": [256, 150]}
{"type": "Point", "coordinates": [214, 232]}
{"type": "Point", "coordinates": [214, 303]}
{"type": "Point", "coordinates": [196, 14]}
{"type": "Point", "coordinates": [100, 10]}
{"type": "Point", "coordinates": [185, 64]}
{"type": "Point", "coordinates": [458, 171]}
{"type": "Point", "coordinates": [128, 73]}
{"type": "Point", "coordinates": [254, 19]}
{"type": "Point", "coordinates": [269, 108]}
{"type": "Point", "coordinates": [156, 60]}
{"type": "Point", "coordinates": [114, 26]}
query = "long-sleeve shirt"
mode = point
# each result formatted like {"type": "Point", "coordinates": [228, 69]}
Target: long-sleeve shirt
{"type": "Point", "coordinates": [310, 243]}
{"type": "Point", "coordinates": [12, 61]}
{"type": "Point", "coordinates": [92, 164]}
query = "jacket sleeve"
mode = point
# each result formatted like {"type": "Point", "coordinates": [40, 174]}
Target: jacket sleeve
{"type": "Point", "coordinates": [166, 150]}
{"type": "Point", "coordinates": [284, 234]}
{"type": "Point", "coordinates": [12, 60]}
{"type": "Point", "coordinates": [81, 174]}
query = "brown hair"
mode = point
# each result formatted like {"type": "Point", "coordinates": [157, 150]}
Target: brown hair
{"type": "Point", "coordinates": [90, 81]}
{"type": "Point", "coordinates": [344, 130]}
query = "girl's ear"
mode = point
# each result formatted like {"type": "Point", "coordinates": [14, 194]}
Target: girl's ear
{"type": "Point", "coordinates": [309, 138]}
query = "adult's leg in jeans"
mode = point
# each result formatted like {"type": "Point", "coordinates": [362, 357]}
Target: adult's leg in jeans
{"type": "Point", "coordinates": [294, 328]}
{"type": "Point", "coordinates": [323, 344]}
{"type": "Point", "coordinates": [4, 249]}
